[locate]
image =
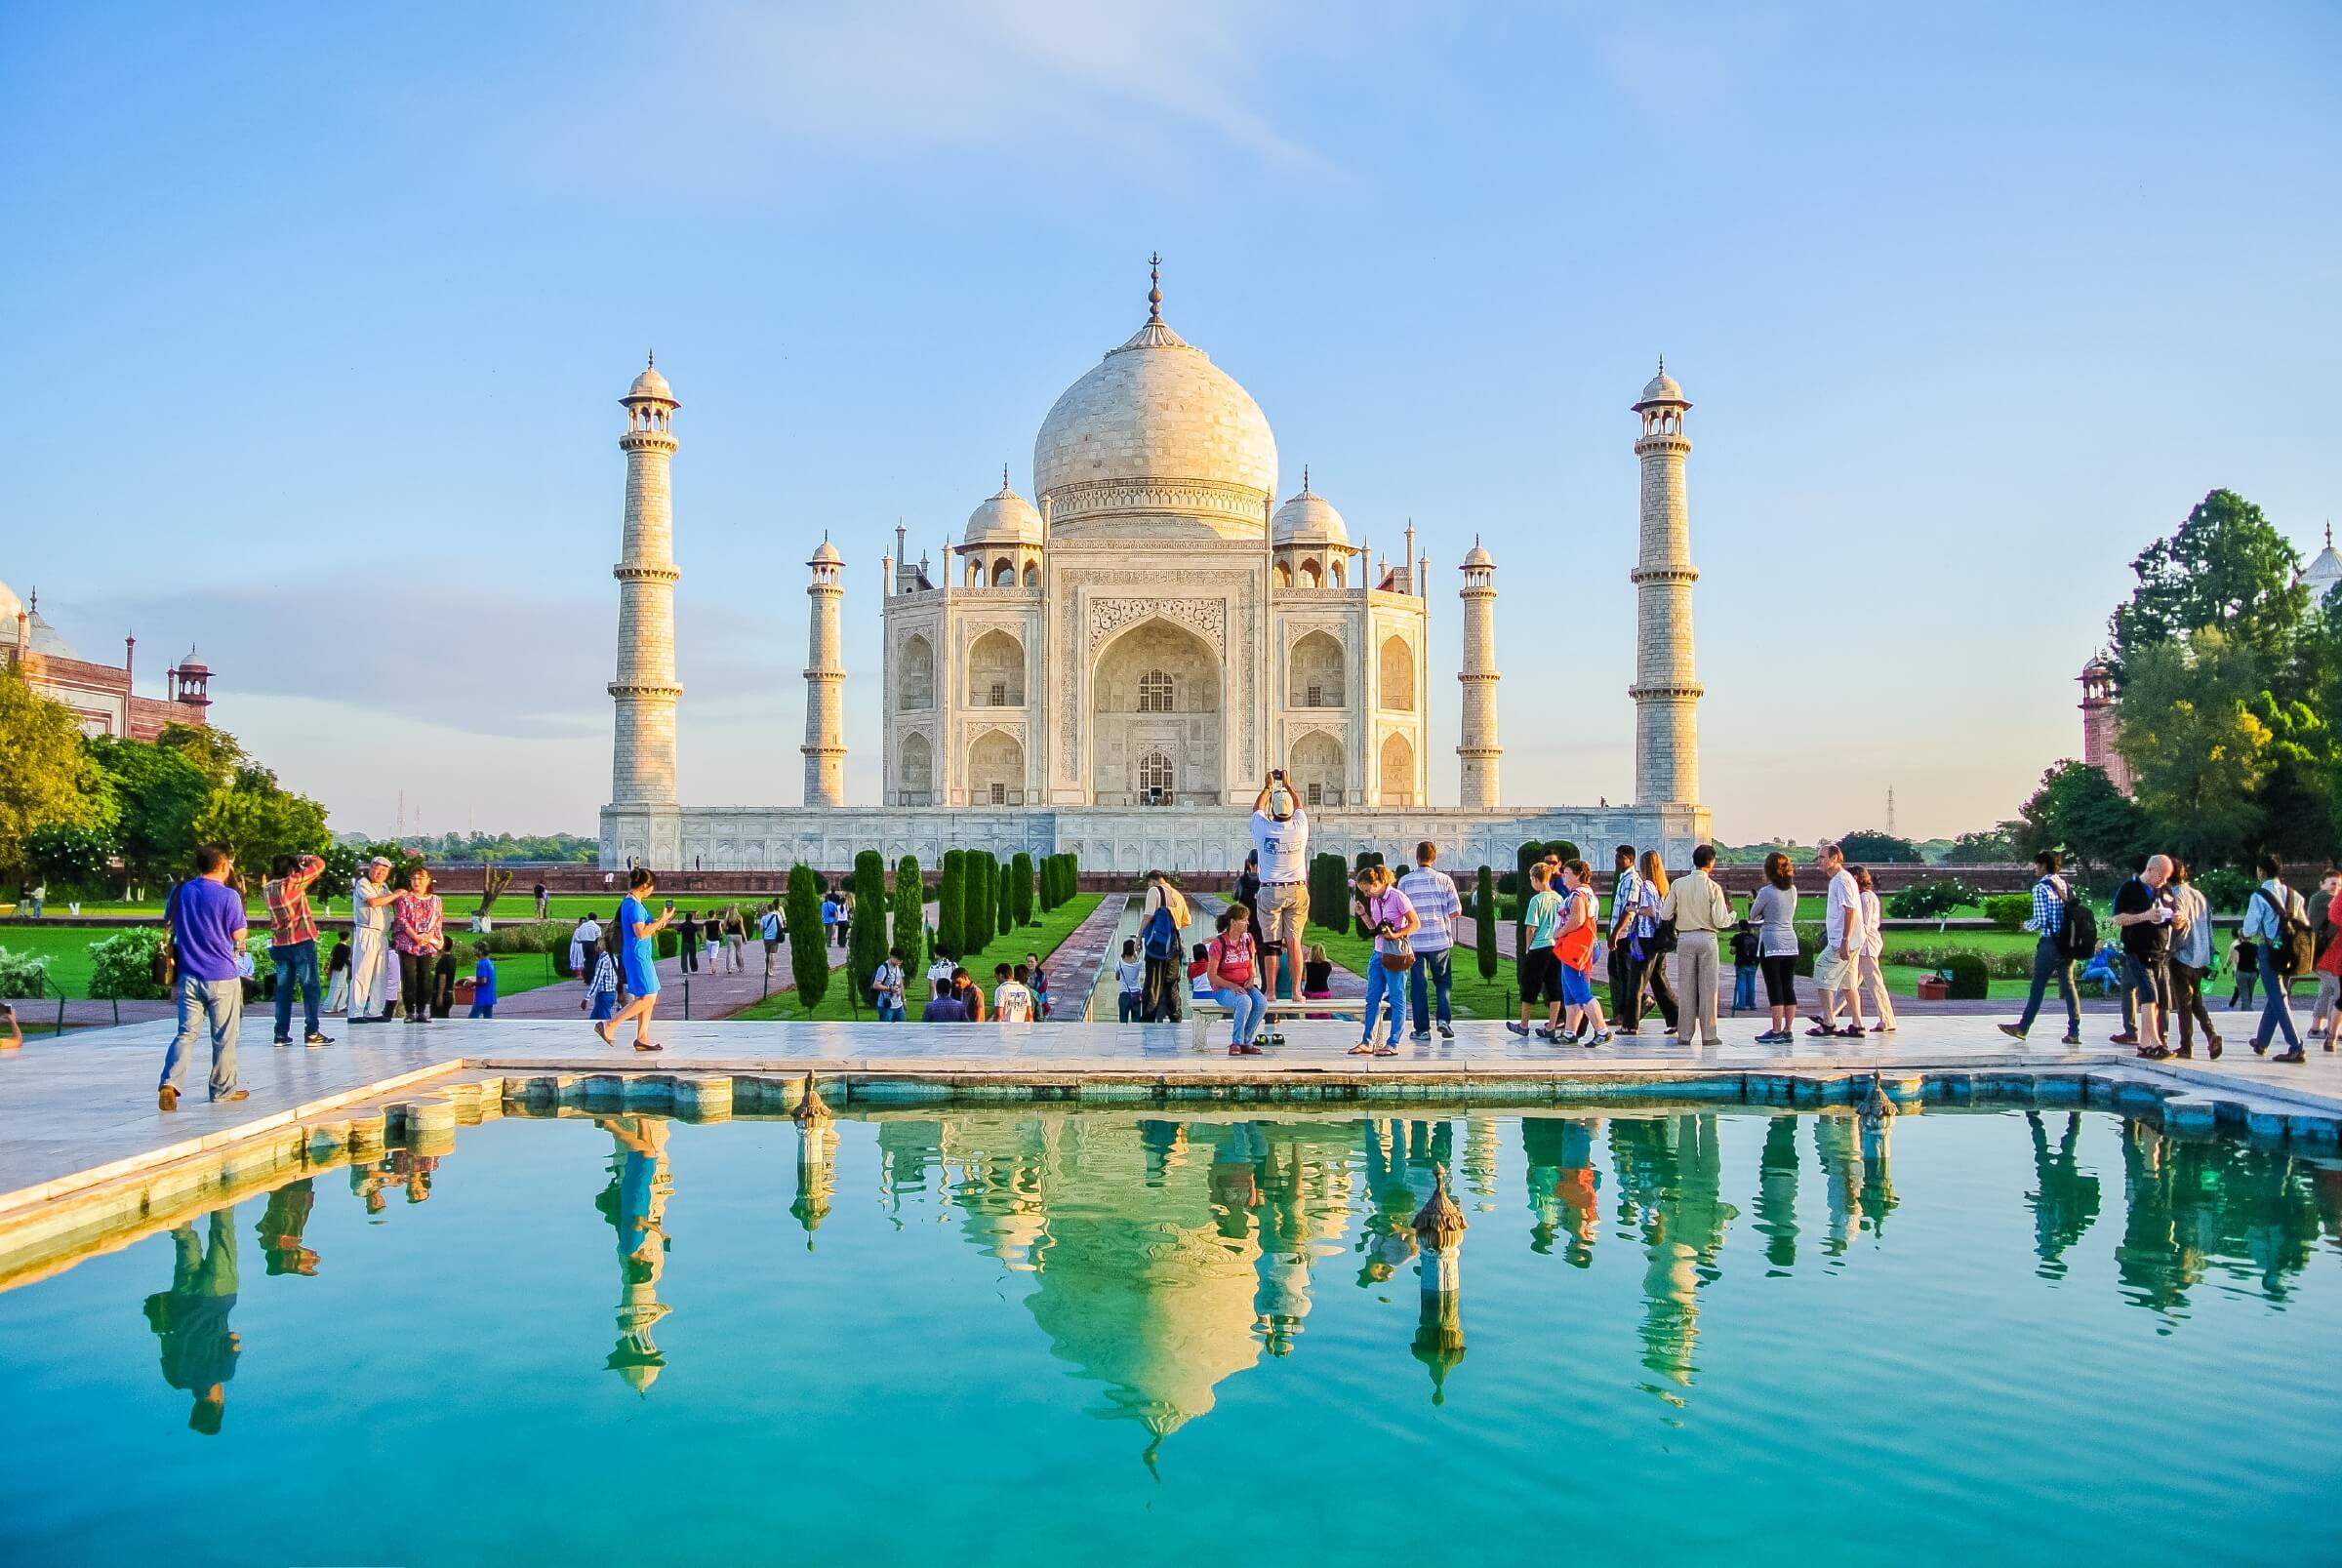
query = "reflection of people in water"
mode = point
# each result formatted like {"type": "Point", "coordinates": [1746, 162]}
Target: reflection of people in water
{"type": "Point", "coordinates": [400, 1168]}
{"type": "Point", "coordinates": [1777, 1194]}
{"type": "Point", "coordinates": [199, 1351]}
{"type": "Point", "coordinates": [1281, 1298]}
{"type": "Point", "coordinates": [1387, 1235]}
{"type": "Point", "coordinates": [1565, 1188]}
{"type": "Point", "coordinates": [636, 1205]}
{"type": "Point", "coordinates": [2065, 1198]}
{"type": "Point", "coordinates": [281, 1224]}
{"type": "Point", "coordinates": [1837, 1146]}
{"type": "Point", "coordinates": [1672, 1167]}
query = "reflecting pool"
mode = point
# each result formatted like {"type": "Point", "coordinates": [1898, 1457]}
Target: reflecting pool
{"type": "Point", "coordinates": [1032, 1337]}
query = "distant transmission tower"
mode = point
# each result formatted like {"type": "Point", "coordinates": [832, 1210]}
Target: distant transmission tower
{"type": "Point", "coordinates": [1890, 810]}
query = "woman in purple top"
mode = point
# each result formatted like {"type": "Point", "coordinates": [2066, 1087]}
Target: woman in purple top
{"type": "Point", "coordinates": [1391, 920]}
{"type": "Point", "coordinates": [418, 931]}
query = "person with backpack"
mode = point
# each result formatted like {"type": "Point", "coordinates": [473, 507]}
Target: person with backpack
{"type": "Point", "coordinates": [2278, 921]}
{"type": "Point", "coordinates": [767, 927]}
{"type": "Point", "coordinates": [1161, 918]}
{"type": "Point", "coordinates": [2065, 930]}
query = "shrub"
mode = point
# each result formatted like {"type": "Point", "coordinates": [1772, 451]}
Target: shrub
{"type": "Point", "coordinates": [1971, 980]}
{"type": "Point", "coordinates": [1020, 888]}
{"type": "Point", "coordinates": [670, 942]}
{"type": "Point", "coordinates": [531, 936]}
{"type": "Point", "coordinates": [1483, 923]}
{"type": "Point", "coordinates": [949, 899]}
{"type": "Point", "coordinates": [22, 975]}
{"type": "Point", "coordinates": [2009, 910]}
{"type": "Point", "coordinates": [1998, 965]}
{"type": "Point", "coordinates": [865, 933]}
{"type": "Point", "coordinates": [122, 965]}
{"type": "Point", "coordinates": [1329, 893]}
{"type": "Point", "coordinates": [1932, 900]}
{"type": "Point", "coordinates": [910, 931]}
{"type": "Point", "coordinates": [2226, 889]}
{"type": "Point", "coordinates": [808, 953]}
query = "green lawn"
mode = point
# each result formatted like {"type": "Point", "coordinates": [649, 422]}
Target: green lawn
{"type": "Point", "coordinates": [65, 950]}
{"type": "Point", "coordinates": [840, 1000]}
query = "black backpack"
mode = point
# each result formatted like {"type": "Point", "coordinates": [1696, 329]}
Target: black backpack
{"type": "Point", "coordinates": [2293, 950]}
{"type": "Point", "coordinates": [2078, 931]}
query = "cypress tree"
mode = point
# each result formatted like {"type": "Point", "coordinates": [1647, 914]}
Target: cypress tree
{"type": "Point", "coordinates": [1483, 922]}
{"type": "Point", "coordinates": [949, 896]}
{"type": "Point", "coordinates": [1019, 872]}
{"type": "Point", "coordinates": [1004, 898]}
{"type": "Point", "coordinates": [976, 905]}
{"type": "Point", "coordinates": [911, 923]}
{"type": "Point", "coordinates": [865, 937]}
{"type": "Point", "coordinates": [808, 952]}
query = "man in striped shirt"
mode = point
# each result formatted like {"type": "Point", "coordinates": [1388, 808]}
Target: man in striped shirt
{"type": "Point", "coordinates": [1433, 892]}
{"type": "Point", "coordinates": [293, 942]}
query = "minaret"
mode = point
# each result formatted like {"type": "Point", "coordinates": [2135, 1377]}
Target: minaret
{"type": "Point", "coordinates": [1479, 750]}
{"type": "Point", "coordinates": [1667, 695]}
{"type": "Point", "coordinates": [824, 745]}
{"type": "Point", "coordinates": [642, 768]}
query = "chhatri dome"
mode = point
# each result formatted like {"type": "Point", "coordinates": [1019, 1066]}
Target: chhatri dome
{"type": "Point", "coordinates": [1660, 388]}
{"type": "Point", "coordinates": [2322, 573]}
{"type": "Point", "coordinates": [1004, 518]}
{"type": "Point", "coordinates": [650, 384]}
{"type": "Point", "coordinates": [1308, 518]}
{"type": "Point", "coordinates": [1157, 432]}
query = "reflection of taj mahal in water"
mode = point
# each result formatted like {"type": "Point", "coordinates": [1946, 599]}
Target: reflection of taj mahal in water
{"type": "Point", "coordinates": [1111, 668]}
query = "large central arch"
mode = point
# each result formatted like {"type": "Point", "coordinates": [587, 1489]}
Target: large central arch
{"type": "Point", "coordinates": [1156, 697]}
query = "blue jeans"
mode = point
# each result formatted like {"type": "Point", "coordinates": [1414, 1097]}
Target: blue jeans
{"type": "Point", "coordinates": [1382, 985]}
{"type": "Point", "coordinates": [1744, 988]}
{"type": "Point", "coordinates": [219, 1004]}
{"type": "Point", "coordinates": [1245, 1010]}
{"type": "Point", "coordinates": [1432, 969]}
{"type": "Point", "coordinates": [2277, 1014]}
{"type": "Point", "coordinates": [296, 965]}
{"type": "Point", "coordinates": [1130, 1007]}
{"type": "Point", "coordinates": [2048, 962]}
{"type": "Point", "coordinates": [888, 1012]}
{"type": "Point", "coordinates": [478, 1010]}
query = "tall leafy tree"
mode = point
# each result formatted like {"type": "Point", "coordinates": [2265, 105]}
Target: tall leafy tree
{"type": "Point", "coordinates": [1875, 846]}
{"type": "Point", "coordinates": [2227, 568]}
{"type": "Point", "coordinates": [911, 915]}
{"type": "Point", "coordinates": [1997, 846]}
{"type": "Point", "coordinates": [2203, 735]}
{"type": "Point", "coordinates": [67, 858]}
{"type": "Point", "coordinates": [808, 952]}
{"type": "Point", "coordinates": [258, 820]}
{"type": "Point", "coordinates": [214, 754]}
{"type": "Point", "coordinates": [157, 792]}
{"type": "Point", "coordinates": [2078, 812]}
{"type": "Point", "coordinates": [45, 775]}
{"type": "Point", "coordinates": [865, 937]}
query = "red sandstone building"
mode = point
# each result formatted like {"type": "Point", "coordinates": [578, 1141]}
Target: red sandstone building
{"type": "Point", "coordinates": [99, 695]}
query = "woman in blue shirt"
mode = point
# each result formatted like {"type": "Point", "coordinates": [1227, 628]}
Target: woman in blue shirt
{"type": "Point", "coordinates": [639, 947]}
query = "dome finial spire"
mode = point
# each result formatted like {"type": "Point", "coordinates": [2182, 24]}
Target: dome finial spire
{"type": "Point", "coordinates": [1305, 478]}
{"type": "Point", "coordinates": [1004, 479]}
{"type": "Point", "coordinates": [650, 360]}
{"type": "Point", "coordinates": [1155, 286]}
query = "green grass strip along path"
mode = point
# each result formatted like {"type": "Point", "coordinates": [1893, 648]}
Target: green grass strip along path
{"type": "Point", "coordinates": [840, 1002]}
{"type": "Point", "coordinates": [65, 951]}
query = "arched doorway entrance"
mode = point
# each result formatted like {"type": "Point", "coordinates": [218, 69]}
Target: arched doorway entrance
{"type": "Point", "coordinates": [1157, 719]}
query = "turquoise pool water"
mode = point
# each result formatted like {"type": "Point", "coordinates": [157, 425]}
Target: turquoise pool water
{"type": "Point", "coordinates": [1023, 1337]}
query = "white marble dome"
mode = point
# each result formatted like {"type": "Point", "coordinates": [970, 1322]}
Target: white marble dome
{"type": "Point", "coordinates": [1308, 518]}
{"type": "Point", "coordinates": [1004, 518]}
{"type": "Point", "coordinates": [1660, 388]}
{"type": "Point", "coordinates": [650, 385]}
{"type": "Point", "coordinates": [1156, 428]}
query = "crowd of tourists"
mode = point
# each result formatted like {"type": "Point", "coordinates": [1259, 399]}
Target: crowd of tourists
{"type": "Point", "coordinates": [2165, 947]}
{"type": "Point", "coordinates": [1256, 968]}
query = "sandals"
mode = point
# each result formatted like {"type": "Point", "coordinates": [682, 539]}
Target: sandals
{"type": "Point", "coordinates": [603, 1034]}
{"type": "Point", "coordinates": [1393, 1050]}
{"type": "Point", "coordinates": [1362, 1047]}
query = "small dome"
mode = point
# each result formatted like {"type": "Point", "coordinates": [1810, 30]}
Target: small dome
{"type": "Point", "coordinates": [2324, 572]}
{"type": "Point", "coordinates": [1478, 555]}
{"type": "Point", "coordinates": [1307, 519]}
{"type": "Point", "coordinates": [43, 637]}
{"type": "Point", "coordinates": [650, 387]}
{"type": "Point", "coordinates": [825, 554]}
{"type": "Point", "coordinates": [193, 661]}
{"type": "Point", "coordinates": [1660, 388]}
{"type": "Point", "coordinates": [1004, 518]}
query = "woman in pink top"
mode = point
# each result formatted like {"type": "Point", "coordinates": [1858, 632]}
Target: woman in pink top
{"type": "Point", "coordinates": [1229, 966]}
{"type": "Point", "coordinates": [417, 932]}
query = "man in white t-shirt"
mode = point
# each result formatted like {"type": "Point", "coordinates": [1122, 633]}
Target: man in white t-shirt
{"type": "Point", "coordinates": [1012, 998]}
{"type": "Point", "coordinates": [1837, 967]}
{"type": "Point", "coordinates": [1280, 838]}
{"type": "Point", "coordinates": [370, 897]}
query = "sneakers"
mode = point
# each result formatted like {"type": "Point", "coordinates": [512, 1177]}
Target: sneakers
{"type": "Point", "coordinates": [2294, 1057]}
{"type": "Point", "coordinates": [319, 1039]}
{"type": "Point", "coordinates": [2126, 1037]}
{"type": "Point", "coordinates": [1598, 1037]}
{"type": "Point", "coordinates": [1447, 1031]}
{"type": "Point", "coordinates": [1522, 1030]}
{"type": "Point", "coordinates": [2076, 1040]}
{"type": "Point", "coordinates": [280, 1041]}
{"type": "Point", "coordinates": [2012, 1031]}
{"type": "Point", "coordinates": [1419, 1035]}
{"type": "Point", "coordinates": [232, 1094]}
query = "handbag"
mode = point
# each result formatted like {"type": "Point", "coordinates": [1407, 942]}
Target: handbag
{"type": "Point", "coordinates": [1398, 963]}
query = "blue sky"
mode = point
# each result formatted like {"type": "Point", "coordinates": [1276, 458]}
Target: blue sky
{"type": "Point", "coordinates": [324, 320]}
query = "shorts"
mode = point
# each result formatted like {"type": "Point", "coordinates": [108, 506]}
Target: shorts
{"type": "Point", "coordinates": [1577, 990]}
{"type": "Point", "coordinates": [2143, 978]}
{"type": "Point", "coordinates": [1284, 910]}
{"type": "Point", "coordinates": [1539, 978]}
{"type": "Point", "coordinates": [1779, 979]}
{"type": "Point", "coordinates": [1830, 973]}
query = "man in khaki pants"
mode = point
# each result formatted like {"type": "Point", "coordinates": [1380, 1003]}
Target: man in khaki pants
{"type": "Point", "coordinates": [1700, 910]}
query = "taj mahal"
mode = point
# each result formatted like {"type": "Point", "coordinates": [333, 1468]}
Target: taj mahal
{"type": "Point", "coordinates": [1110, 666]}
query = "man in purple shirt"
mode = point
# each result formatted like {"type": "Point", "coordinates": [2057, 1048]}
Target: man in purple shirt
{"type": "Point", "coordinates": [206, 928]}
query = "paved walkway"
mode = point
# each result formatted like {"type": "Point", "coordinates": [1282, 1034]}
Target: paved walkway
{"type": "Point", "coordinates": [86, 1103]}
{"type": "Point", "coordinates": [1074, 964]}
